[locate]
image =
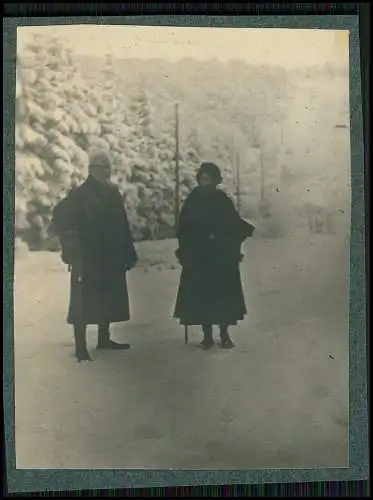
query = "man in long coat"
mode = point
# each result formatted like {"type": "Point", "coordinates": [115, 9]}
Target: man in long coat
{"type": "Point", "coordinates": [210, 235]}
{"type": "Point", "coordinates": [97, 245]}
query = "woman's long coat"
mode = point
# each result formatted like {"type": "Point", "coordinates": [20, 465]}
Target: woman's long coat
{"type": "Point", "coordinates": [97, 244]}
{"type": "Point", "coordinates": [210, 235]}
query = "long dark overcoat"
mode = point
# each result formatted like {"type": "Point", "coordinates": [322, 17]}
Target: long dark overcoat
{"type": "Point", "coordinates": [96, 238]}
{"type": "Point", "coordinates": [210, 235]}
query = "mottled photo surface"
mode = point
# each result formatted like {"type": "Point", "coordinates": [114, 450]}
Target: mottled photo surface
{"type": "Point", "coordinates": [182, 236]}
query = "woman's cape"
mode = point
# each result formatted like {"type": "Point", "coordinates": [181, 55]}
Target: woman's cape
{"type": "Point", "coordinates": [209, 220]}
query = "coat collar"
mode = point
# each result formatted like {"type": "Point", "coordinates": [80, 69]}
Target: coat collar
{"type": "Point", "coordinates": [98, 186]}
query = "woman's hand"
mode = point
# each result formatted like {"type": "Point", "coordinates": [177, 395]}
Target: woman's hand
{"type": "Point", "coordinates": [130, 265]}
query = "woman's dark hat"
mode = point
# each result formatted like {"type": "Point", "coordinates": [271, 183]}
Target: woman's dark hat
{"type": "Point", "coordinates": [212, 170]}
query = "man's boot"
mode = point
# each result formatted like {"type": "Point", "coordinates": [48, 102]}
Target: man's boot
{"type": "Point", "coordinates": [81, 352]}
{"type": "Point", "coordinates": [226, 341]}
{"type": "Point", "coordinates": [208, 340]}
{"type": "Point", "coordinates": [104, 341]}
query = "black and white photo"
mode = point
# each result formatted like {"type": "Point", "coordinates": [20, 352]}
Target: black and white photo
{"type": "Point", "coordinates": [182, 247]}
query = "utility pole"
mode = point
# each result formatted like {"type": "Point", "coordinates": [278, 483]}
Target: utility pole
{"type": "Point", "coordinates": [238, 186]}
{"type": "Point", "coordinates": [257, 144]}
{"type": "Point", "coordinates": [280, 157]}
{"type": "Point", "coordinates": [262, 177]}
{"type": "Point", "coordinates": [177, 167]}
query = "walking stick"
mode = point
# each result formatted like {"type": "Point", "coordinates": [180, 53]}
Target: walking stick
{"type": "Point", "coordinates": [186, 333]}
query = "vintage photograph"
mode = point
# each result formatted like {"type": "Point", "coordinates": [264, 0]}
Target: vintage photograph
{"type": "Point", "coordinates": [182, 247]}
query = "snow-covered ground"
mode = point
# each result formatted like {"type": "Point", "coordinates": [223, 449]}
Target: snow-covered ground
{"type": "Point", "coordinates": [279, 399]}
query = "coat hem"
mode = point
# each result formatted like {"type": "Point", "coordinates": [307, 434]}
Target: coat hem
{"type": "Point", "coordinates": [70, 321]}
{"type": "Point", "coordinates": [230, 322]}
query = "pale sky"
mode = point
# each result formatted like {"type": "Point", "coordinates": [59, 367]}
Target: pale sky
{"type": "Point", "coordinates": [284, 47]}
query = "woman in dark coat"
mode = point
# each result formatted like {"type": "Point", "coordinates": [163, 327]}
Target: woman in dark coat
{"type": "Point", "coordinates": [210, 235]}
{"type": "Point", "coordinates": [97, 245]}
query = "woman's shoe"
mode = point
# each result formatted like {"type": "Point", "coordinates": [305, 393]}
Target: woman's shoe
{"type": "Point", "coordinates": [227, 342]}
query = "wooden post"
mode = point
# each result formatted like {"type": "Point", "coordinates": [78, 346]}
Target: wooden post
{"type": "Point", "coordinates": [281, 155]}
{"type": "Point", "coordinates": [238, 186]}
{"type": "Point", "coordinates": [262, 177]}
{"type": "Point", "coordinates": [177, 167]}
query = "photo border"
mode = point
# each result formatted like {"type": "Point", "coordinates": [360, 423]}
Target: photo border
{"type": "Point", "coordinates": [20, 480]}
